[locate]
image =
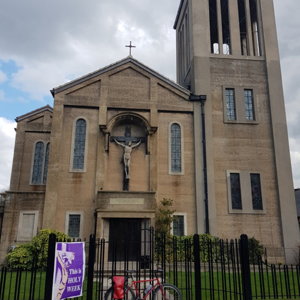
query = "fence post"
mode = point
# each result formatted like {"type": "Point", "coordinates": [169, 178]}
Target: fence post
{"type": "Point", "coordinates": [245, 267]}
{"type": "Point", "coordinates": [50, 267]}
{"type": "Point", "coordinates": [196, 242]}
{"type": "Point", "coordinates": [90, 275]}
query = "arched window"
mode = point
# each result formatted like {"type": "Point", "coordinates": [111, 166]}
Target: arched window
{"type": "Point", "coordinates": [38, 162]}
{"type": "Point", "coordinates": [176, 161]}
{"type": "Point", "coordinates": [79, 144]}
{"type": "Point", "coordinates": [46, 163]}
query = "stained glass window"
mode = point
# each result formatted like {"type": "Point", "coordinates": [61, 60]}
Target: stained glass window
{"type": "Point", "coordinates": [46, 163]}
{"type": "Point", "coordinates": [256, 191]}
{"type": "Point", "coordinates": [230, 104]}
{"type": "Point", "coordinates": [38, 163]}
{"type": "Point", "coordinates": [74, 226]}
{"type": "Point", "coordinates": [79, 144]}
{"type": "Point", "coordinates": [235, 186]}
{"type": "Point", "coordinates": [249, 105]}
{"type": "Point", "coordinates": [178, 225]}
{"type": "Point", "coordinates": [175, 148]}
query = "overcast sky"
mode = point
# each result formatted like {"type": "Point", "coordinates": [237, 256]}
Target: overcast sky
{"type": "Point", "coordinates": [46, 43]}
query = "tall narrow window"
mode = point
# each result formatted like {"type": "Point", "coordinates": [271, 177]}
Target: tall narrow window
{"type": "Point", "coordinates": [255, 27]}
{"type": "Point", "coordinates": [243, 27]}
{"type": "Point", "coordinates": [249, 105]}
{"type": "Point", "coordinates": [181, 55]}
{"type": "Point", "coordinates": [74, 225]}
{"type": "Point", "coordinates": [230, 104]}
{"type": "Point", "coordinates": [176, 148]}
{"type": "Point", "coordinates": [256, 192]}
{"type": "Point", "coordinates": [178, 225]}
{"type": "Point", "coordinates": [187, 36]}
{"type": "Point", "coordinates": [235, 187]}
{"type": "Point", "coordinates": [38, 163]}
{"type": "Point", "coordinates": [213, 21]}
{"type": "Point", "coordinates": [79, 144]}
{"type": "Point", "coordinates": [183, 49]}
{"type": "Point", "coordinates": [46, 163]}
{"type": "Point", "coordinates": [225, 27]}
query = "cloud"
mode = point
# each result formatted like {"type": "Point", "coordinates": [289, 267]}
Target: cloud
{"type": "Point", "coordinates": [2, 95]}
{"type": "Point", "coordinates": [56, 41]}
{"type": "Point", "coordinates": [3, 77]}
{"type": "Point", "coordinates": [7, 138]}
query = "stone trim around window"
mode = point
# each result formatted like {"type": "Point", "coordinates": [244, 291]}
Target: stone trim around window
{"type": "Point", "coordinates": [240, 109]}
{"type": "Point", "coordinates": [26, 234]}
{"type": "Point", "coordinates": [246, 193]}
{"type": "Point", "coordinates": [83, 170]}
{"type": "Point", "coordinates": [171, 172]}
{"type": "Point", "coordinates": [184, 222]}
{"type": "Point", "coordinates": [67, 222]}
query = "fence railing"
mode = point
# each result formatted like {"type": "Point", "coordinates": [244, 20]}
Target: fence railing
{"type": "Point", "coordinates": [201, 267]}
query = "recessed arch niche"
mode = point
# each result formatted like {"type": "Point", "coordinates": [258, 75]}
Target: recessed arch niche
{"type": "Point", "coordinates": [134, 129]}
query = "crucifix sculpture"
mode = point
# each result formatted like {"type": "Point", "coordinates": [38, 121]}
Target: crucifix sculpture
{"type": "Point", "coordinates": [128, 143]}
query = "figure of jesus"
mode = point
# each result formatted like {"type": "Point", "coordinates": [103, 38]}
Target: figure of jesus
{"type": "Point", "coordinates": [127, 155]}
{"type": "Point", "coordinates": [64, 260]}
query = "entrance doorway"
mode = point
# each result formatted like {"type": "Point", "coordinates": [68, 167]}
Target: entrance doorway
{"type": "Point", "coordinates": [124, 239]}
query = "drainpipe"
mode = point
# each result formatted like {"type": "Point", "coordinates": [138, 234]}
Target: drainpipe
{"type": "Point", "coordinates": [202, 99]}
{"type": "Point", "coordinates": [95, 223]}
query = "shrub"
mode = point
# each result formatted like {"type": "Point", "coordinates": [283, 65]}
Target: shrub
{"type": "Point", "coordinates": [26, 255]}
{"type": "Point", "coordinates": [180, 248]}
{"type": "Point", "coordinates": [256, 251]}
{"type": "Point", "coordinates": [20, 257]}
{"type": "Point", "coordinates": [164, 216]}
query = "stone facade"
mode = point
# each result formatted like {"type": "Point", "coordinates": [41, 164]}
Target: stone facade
{"type": "Point", "coordinates": [231, 46]}
{"type": "Point", "coordinates": [203, 154]}
{"type": "Point", "coordinates": [126, 94]}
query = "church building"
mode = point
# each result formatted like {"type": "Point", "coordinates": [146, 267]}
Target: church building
{"type": "Point", "coordinates": [119, 140]}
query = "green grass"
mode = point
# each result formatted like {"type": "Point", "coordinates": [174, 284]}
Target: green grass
{"type": "Point", "coordinates": [213, 285]}
{"type": "Point", "coordinates": [17, 284]}
{"type": "Point", "coordinates": [217, 286]}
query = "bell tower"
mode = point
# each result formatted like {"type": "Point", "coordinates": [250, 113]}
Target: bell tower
{"type": "Point", "coordinates": [228, 51]}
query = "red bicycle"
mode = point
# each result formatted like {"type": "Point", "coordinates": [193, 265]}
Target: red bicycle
{"type": "Point", "coordinates": [155, 290]}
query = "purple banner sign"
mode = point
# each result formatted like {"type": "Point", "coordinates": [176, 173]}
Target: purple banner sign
{"type": "Point", "coordinates": [69, 269]}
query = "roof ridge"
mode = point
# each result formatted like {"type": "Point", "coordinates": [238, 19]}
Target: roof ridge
{"type": "Point", "coordinates": [33, 112]}
{"type": "Point", "coordinates": [114, 65]}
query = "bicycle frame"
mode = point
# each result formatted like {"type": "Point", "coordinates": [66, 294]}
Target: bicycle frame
{"type": "Point", "coordinates": [134, 286]}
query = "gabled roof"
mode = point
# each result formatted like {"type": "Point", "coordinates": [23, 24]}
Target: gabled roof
{"type": "Point", "coordinates": [34, 112]}
{"type": "Point", "coordinates": [128, 59]}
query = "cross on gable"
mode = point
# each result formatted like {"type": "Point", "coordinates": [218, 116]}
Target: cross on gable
{"type": "Point", "coordinates": [130, 46]}
{"type": "Point", "coordinates": [127, 137]}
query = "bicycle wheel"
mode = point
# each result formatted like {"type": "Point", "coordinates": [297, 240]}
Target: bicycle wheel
{"type": "Point", "coordinates": [129, 294]}
{"type": "Point", "coordinates": [167, 291]}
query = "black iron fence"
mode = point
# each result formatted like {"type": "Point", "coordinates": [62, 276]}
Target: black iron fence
{"type": "Point", "coordinates": [17, 284]}
{"type": "Point", "coordinates": [201, 267]}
